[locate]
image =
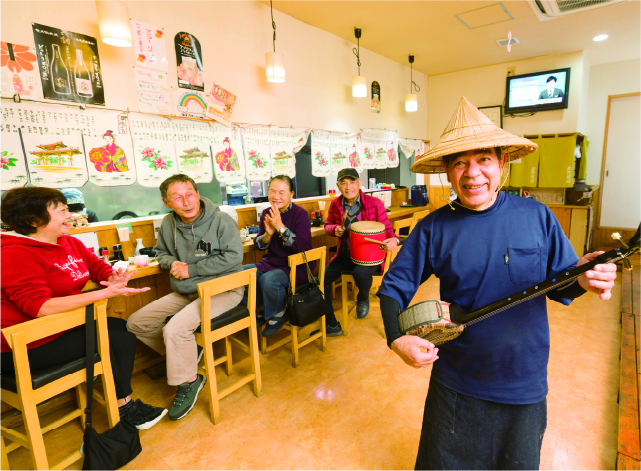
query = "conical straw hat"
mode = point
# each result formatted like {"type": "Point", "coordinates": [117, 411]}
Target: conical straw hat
{"type": "Point", "coordinates": [469, 129]}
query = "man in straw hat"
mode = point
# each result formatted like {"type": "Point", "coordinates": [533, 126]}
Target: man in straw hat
{"type": "Point", "coordinates": [486, 406]}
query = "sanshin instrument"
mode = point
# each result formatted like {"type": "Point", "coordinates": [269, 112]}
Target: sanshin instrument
{"type": "Point", "coordinates": [429, 321]}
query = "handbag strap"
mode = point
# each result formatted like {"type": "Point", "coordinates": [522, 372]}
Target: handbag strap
{"type": "Point", "coordinates": [310, 276]}
{"type": "Point", "coordinates": [89, 360]}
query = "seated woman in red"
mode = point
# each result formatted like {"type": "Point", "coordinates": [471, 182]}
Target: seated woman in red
{"type": "Point", "coordinates": [43, 271]}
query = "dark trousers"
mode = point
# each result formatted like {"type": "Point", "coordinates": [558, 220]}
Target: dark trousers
{"type": "Point", "coordinates": [462, 432]}
{"type": "Point", "coordinates": [72, 345]}
{"type": "Point", "coordinates": [362, 277]}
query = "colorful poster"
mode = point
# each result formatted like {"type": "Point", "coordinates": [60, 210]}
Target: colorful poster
{"type": "Point", "coordinates": [380, 148]}
{"type": "Point", "coordinates": [376, 97]}
{"type": "Point", "coordinates": [69, 65]}
{"type": "Point", "coordinates": [154, 151]}
{"type": "Point", "coordinates": [321, 151]}
{"type": "Point", "coordinates": [284, 143]}
{"type": "Point", "coordinates": [339, 158]}
{"type": "Point", "coordinates": [110, 154]}
{"type": "Point", "coordinates": [193, 149]}
{"type": "Point", "coordinates": [190, 103]}
{"type": "Point", "coordinates": [152, 90]}
{"type": "Point", "coordinates": [149, 46]}
{"type": "Point", "coordinates": [20, 71]}
{"type": "Point", "coordinates": [56, 161]}
{"type": "Point", "coordinates": [220, 105]}
{"type": "Point", "coordinates": [256, 146]}
{"type": "Point", "coordinates": [227, 147]}
{"type": "Point", "coordinates": [13, 171]}
{"type": "Point", "coordinates": [411, 148]}
{"type": "Point", "coordinates": [354, 152]}
{"type": "Point", "coordinates": [190, 62]}
{"type": "Point", "coordinates": [391, 148]}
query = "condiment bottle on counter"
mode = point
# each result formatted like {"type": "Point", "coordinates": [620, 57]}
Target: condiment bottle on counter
{"type": "Point", "coordinates": [105, 255]}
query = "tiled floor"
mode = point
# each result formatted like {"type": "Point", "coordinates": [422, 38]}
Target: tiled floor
{"type": "Point", "coordinates": [357, 406]}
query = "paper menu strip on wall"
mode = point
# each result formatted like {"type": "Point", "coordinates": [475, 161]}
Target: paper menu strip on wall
{"type": "Point", "coordinates": [90, 239]}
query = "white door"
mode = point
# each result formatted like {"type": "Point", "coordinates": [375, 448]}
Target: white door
{"type": "Point", "coordinates": [621, 192]}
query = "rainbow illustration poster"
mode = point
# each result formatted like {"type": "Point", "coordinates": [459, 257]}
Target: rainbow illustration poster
{"type": "Point", "coordinates": [190, 103]}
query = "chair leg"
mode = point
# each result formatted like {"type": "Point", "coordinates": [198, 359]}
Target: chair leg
{"type": "Point", "coordinates": [34, 434]}
{"type": "Point", "coordinates": [295, 347]}
{"type": "Point", "coordinates": [263, 342]}
{"type": "Point", "coordinates": [5, 459]}
{"type": "Point", "coordinates": [255, 358]}
{"type": "Point", "coordinates": [210, 370]}
{"type": "Point", "coordinates": [345, 304]}
{"type": "Point", "coordinates": [324, 334]}
{"type": "Point", "coordinates": [81, 397]}
{"type": "Point", "coordinates": [230, 366]}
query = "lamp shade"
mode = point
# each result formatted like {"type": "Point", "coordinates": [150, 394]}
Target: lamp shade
{"type": "Point", "coordinates": [411, 102]}
{"type": "Point", "coordinates": [359, 86]}
{"type": "Point", "coordinates": [115, 27]}
{"type": "Point", "coordinates": [275, 66]}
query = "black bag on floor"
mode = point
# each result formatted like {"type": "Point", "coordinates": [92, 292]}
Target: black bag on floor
{"type": "Point", "coordinates": [117, 446]}
{"type": "Point", "coordinates": [308, 304]}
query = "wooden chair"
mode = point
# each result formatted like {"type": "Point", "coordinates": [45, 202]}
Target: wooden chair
{"type": "Point", "coordinates": [402, 224]}
{"type": "Point", "coordinates": [293, 261]}
{"type": "Point", "coordinates": [417, 217]}
{"type": "Point", "coordinates": [27, 388]}
{"type": "Point", "coordinates": [236, 319]}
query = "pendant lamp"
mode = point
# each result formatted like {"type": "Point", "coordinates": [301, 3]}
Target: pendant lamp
{"type": "Point", "coordinates": [411, 99]}
{"type": "Point", "coordinates": [274, 61]}
{"type": "Point", "coordinates": [359, 82]}
{"type": "Point", "coordinates": [115, 27]}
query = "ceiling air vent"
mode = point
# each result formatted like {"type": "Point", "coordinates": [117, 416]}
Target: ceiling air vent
{"type": "Point", "coordinates": [503, 42]}
{"type": "Point", "coordinates": [550, 9]}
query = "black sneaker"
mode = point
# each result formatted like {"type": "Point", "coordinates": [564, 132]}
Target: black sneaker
{"type": "Point", "coordinates": [185, 400]}
{"type": "Point", "coordinates": [144, 416]}
{"type": "Point", "coordinates": [335, 331]}
{"type": "Point", "coordinates": [362, 309]}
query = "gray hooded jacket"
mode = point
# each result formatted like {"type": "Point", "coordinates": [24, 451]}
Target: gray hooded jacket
{"type": "Point", "coordinates": [210, 245]}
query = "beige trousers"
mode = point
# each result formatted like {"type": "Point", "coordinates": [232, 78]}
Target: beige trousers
{"type": "Point", "coordinates": [175, 338]}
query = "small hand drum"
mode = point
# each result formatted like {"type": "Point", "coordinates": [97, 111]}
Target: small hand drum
{"type": "Point", "coordinates": [363, 251]}
{"type": "Point", "coordinates": [429, 321]}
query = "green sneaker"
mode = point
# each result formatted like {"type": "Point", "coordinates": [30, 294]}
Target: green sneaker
{"type": "Point", "coordinates": [186, 396]}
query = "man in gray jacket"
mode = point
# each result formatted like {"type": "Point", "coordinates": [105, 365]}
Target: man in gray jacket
{"type": "Point", "coordinates": [197, 242]}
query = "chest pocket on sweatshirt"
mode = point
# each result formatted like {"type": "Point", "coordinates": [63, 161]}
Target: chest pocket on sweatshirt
{"type": "Point", "coordinates": [525, 265]}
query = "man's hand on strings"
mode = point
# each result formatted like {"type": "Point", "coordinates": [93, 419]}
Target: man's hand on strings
{"type": "Point", "coordinates": [599, 280]}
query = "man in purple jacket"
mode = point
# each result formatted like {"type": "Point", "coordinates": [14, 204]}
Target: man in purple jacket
{"type": "Point", "coordinates": [284, 230]}
{"type": "Point", "coordinates": [359, 207]}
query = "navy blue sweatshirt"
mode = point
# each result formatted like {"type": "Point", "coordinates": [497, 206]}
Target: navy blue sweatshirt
{"type": "Point", "coordinates": [481, 257]}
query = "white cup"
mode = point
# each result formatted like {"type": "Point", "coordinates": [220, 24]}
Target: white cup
{"type": "Point", "coordinates": [141, 260]}
{"type": "Point", "coordinates": [120, 264]}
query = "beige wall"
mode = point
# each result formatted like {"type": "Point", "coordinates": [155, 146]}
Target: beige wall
{"type": "Point", "coordinates": [235, 37]}
{"type": "Point", "coordinates": [615, 78]}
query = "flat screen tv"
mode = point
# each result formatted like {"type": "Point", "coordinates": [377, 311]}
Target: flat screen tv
{"type": "Point", "coordinates": [541, 91]}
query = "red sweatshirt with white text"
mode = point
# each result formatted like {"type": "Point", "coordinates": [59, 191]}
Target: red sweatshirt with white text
{"type": "Point", "coordinates": [32, 272]}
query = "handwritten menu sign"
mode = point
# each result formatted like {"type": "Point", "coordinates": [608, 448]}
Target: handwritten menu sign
{"type": "Point", "coordinates": [149, 46]}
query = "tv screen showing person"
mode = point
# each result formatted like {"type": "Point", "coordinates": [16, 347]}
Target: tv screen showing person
{"type": "Point", "coordinates": [551, 91]}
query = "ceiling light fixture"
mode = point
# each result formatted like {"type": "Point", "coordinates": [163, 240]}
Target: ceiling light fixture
{"type": "Point", "coordinates": [274, 61]}
{"type": "Point", "coordinates": [600, 37]}
{"type": "Point", "coordinates": [359, 82]}
{"type": "Point", "coordinates": [411, 99]}
{"type": "Point", "coordinates": [114, 24]}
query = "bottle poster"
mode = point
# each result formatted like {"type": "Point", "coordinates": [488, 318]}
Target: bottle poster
{"type": "Point", "coordinates": [149, 46]}
{"type": "Point", "coordinates": [69, 65]}
{"type": "Point", "coordinates": [190, 64]}
{"type": "Point", "coordinates": [376, 97]}
{"type": "Point", "coordinates": [20, 71]}
{"type": "Point", "coordinates": [220, 105]}
{"type": "Point", "coordinates": [152, 90]}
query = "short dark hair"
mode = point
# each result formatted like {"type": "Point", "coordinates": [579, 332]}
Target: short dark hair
{"type": "Point", "coordinates": [25, 209]}
{"type": "Point", "coordinates": [282, 178]}
{"type": "Point", "coordinates": [550, 78]}
{"type": "Point", "coordinates": [447, 158]}
{"type": "Point", "coordinates": [178, 178]}
{"type": "Point", "coordinates": [76, 207]}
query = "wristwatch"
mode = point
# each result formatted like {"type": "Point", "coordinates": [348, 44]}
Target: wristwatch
{"type": "Point", "coordinates": [282, 231]}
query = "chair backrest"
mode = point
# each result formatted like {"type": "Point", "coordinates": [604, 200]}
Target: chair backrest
{"type": "Point", "coordinates": [297, 259]}
{"type": "Point", "coordinates": [417, 217]}
{"type": "Point", "coordinates": [210, 288]}
{"type": "Point", "coordinates": [398, 225]}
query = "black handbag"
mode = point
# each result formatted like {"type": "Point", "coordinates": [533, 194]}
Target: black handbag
{"type": "Point", "coordinates": [308, 304]}
{"type": "Point", "coordinates": [117, 446]}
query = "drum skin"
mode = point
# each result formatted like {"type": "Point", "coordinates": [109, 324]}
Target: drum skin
{"type": "Point", "coordinates": [364, 252]}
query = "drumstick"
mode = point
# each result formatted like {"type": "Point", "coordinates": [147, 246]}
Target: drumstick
{"type": "Point", "coordinates": [380, 242]}
{"type": "Point", "coordinates": [344, 219]}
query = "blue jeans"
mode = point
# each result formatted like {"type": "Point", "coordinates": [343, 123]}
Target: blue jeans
{"type": "Point", "coordinates": [271, 288]}
{"type": "Point", "coordinates": [463, 432]}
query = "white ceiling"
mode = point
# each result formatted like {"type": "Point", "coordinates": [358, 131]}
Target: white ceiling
{"type": "Point", "coordinates": [441, 43]}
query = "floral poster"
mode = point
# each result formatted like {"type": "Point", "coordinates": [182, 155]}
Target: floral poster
{"type": "Point", "coordinates": [110, 154]}
{"type": "Point", "coordinates": [193, 149]}
{"type": "Point", "coordinates": [220, 105]}
{"type": "Point", "coordinates": [13, 171]}
{"type": "Point", "coordinates": [20, 71]}
{"type": "Point", "coordinates": [256, 146]}
{"type": "Point", "coordinates": [152, 90]}
{"type": "Point", "coordinates": [190, 103]}
{"type": "Point", "coordinates": [380, 148]}
{"type": "Point", "coordinates": [190, 62]}
{"type": "Point", "coordinates": [411, 148]}
{"type": "Point", "coordinates": [391, 147]}
{"type": "Point", "coordinates": [149, 46]}
{"type": "Point", "coordinates": [368, 147]}
{"type": "Point", "coordinates": [321, 152]}
{"type": "Point", "coordinates": [227, 147]}
{"type": "Point", "coordinates": [284, 143]}
{"type": "Point", "coordinates": [154, 151]}
{"type": "Point", "coordinates": [354, 152]}
{"type": "Point", "coordinates": [56, 161]}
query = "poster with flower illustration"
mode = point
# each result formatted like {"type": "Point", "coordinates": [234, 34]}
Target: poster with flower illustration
{"type": "Point", "coordinates": [56, 161]}
{"type": "Point", "coordinates": [339, 157]}
{"type": "Point", "coordinates": [193, 149]}
{"type": "Point", "coordinates": [227, 148]}
{"type": "Point", "coordinates": [380, 148]}
{"type": "Point", "coordinates": [321, 153]}
{"type": "Point", "coordinates": [155, 162]}
{"type": "Point", "coordinates": [20, 74]}
{"type": "Point", "coordinates": [149, 46]}
{"type": "Point", "coordinates": [411, 148]}
{"type": "Point", "coordinates": [284, 143]}
{"type": "Point", "coordinates": [354, 151]}
{"type": "Point", "coordinates": [256, 147]}
{"type": "Point", "coordinates": [13, 171]}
